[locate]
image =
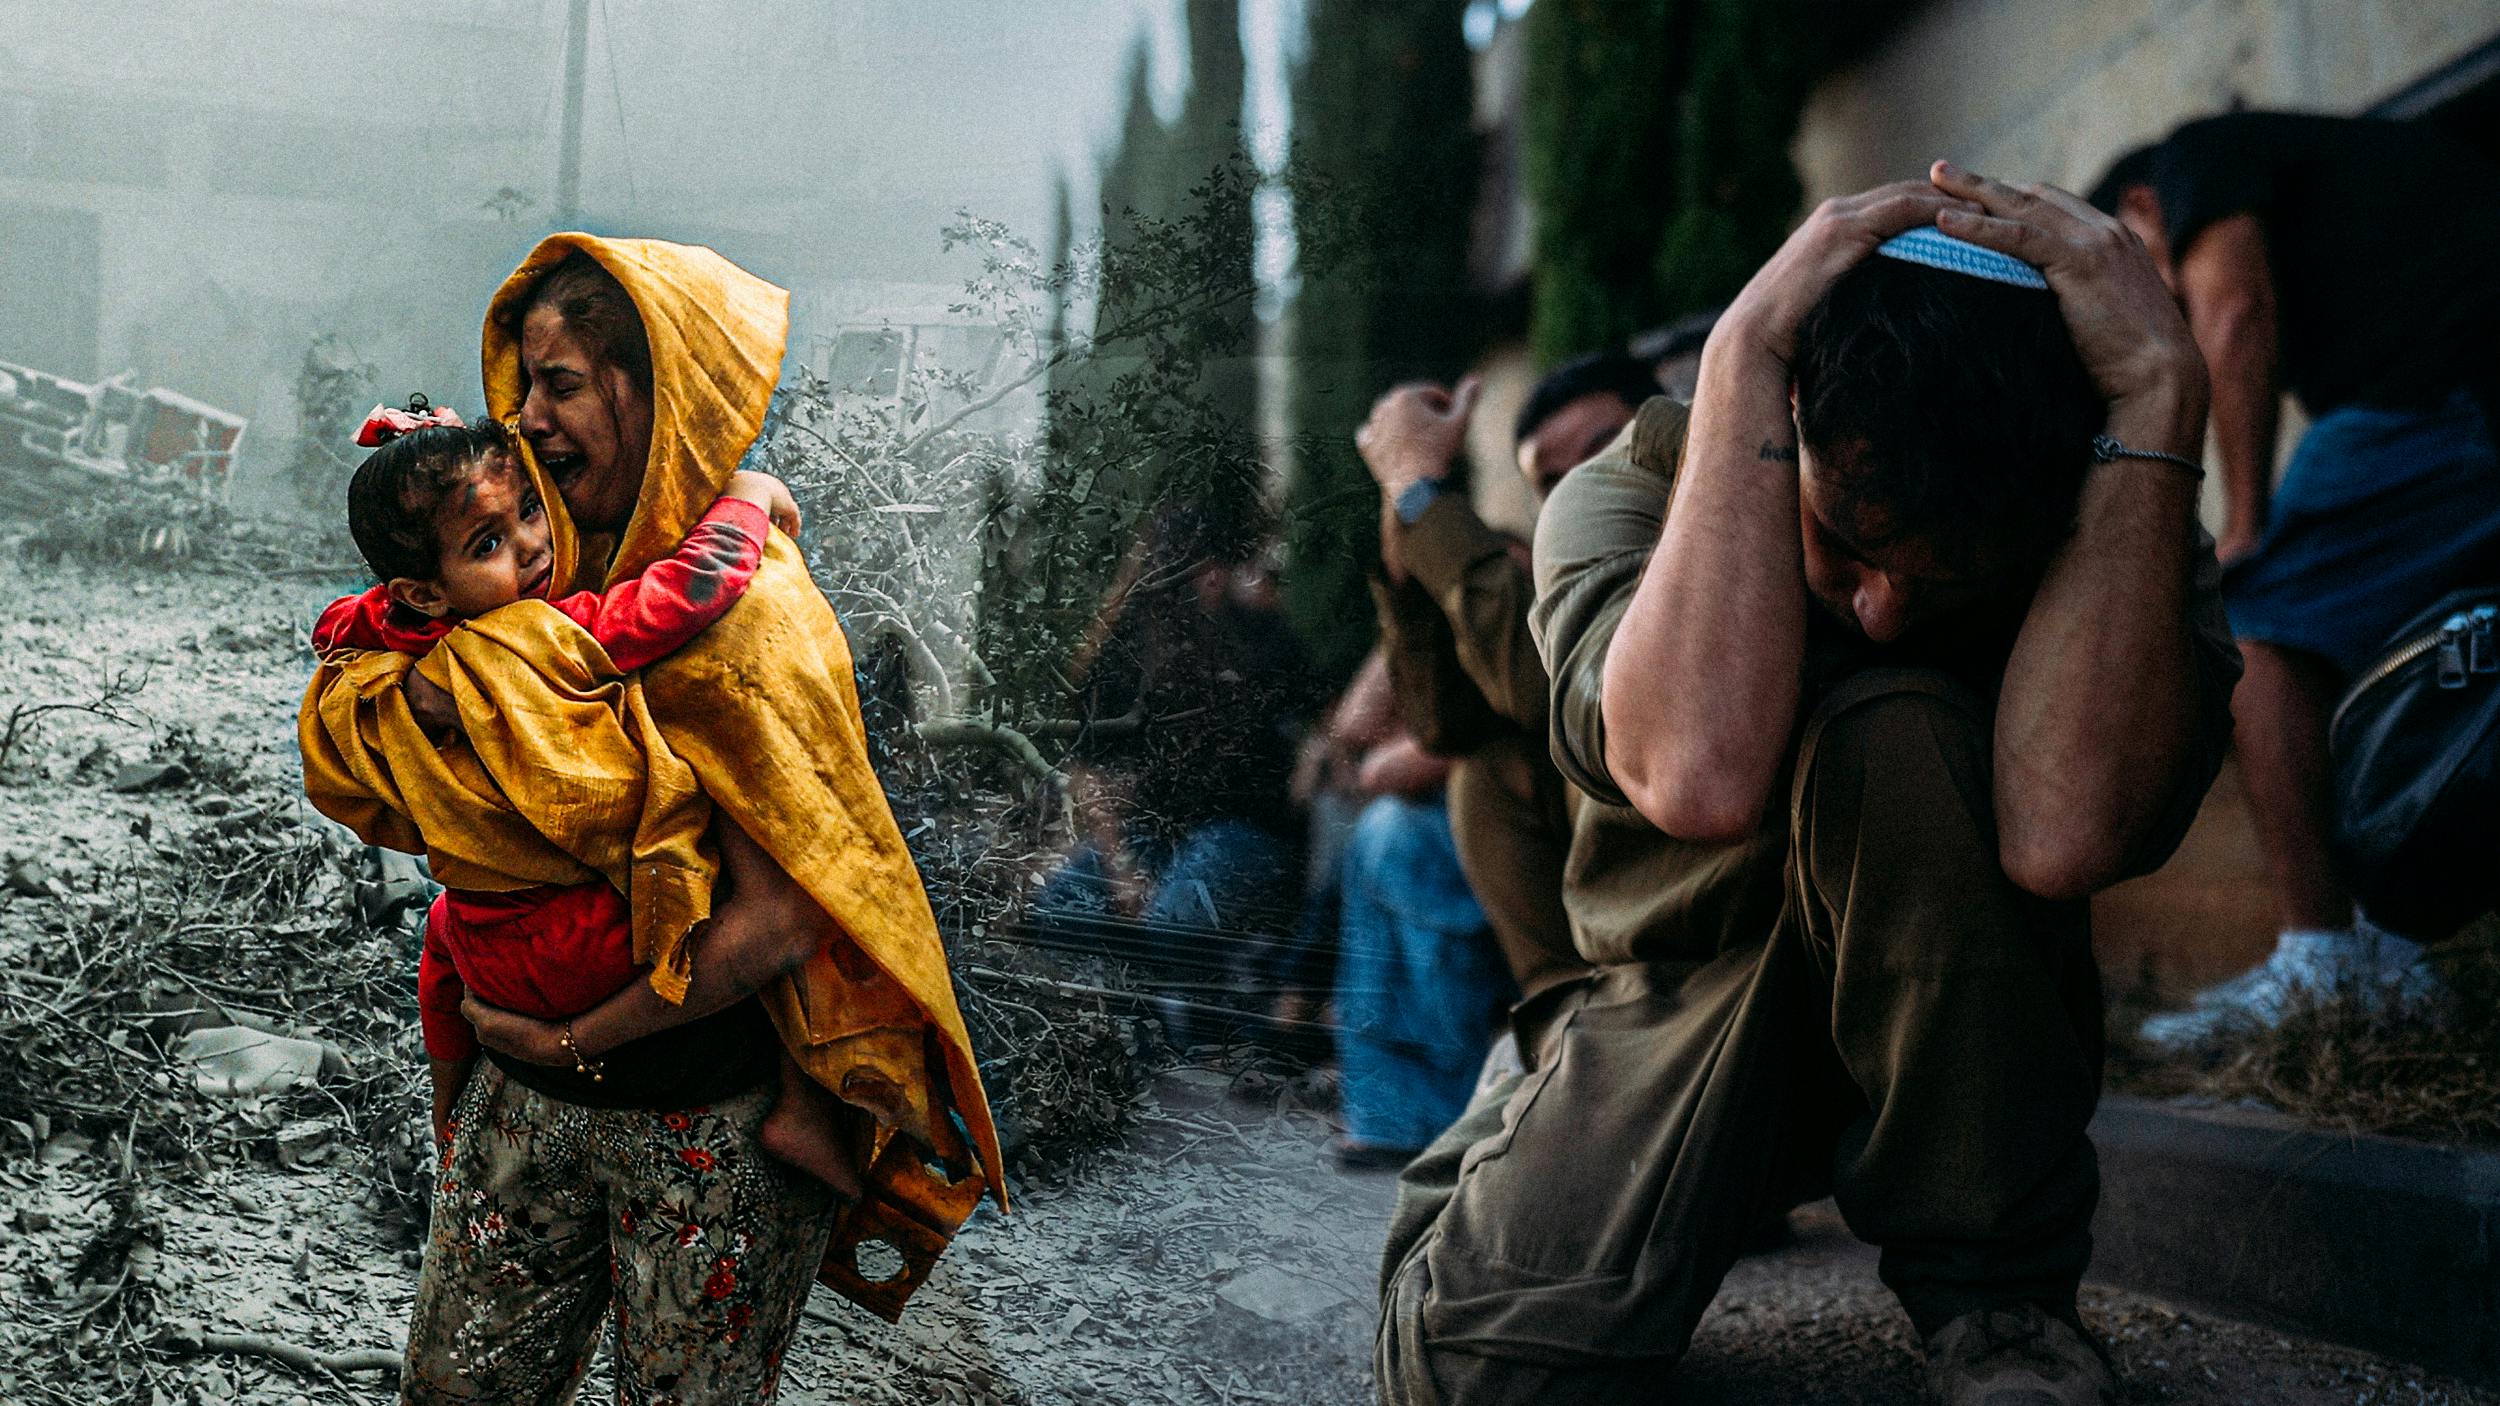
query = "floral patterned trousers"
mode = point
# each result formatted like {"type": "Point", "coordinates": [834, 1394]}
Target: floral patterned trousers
{"type": "Point", "coordinates": [546, 1213]}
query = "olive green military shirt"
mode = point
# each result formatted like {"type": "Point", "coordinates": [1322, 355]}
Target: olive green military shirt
{"type": "Point", "coordinates": [1638, 894]}
{"type": "Point", "coordinates": [1455, 632]}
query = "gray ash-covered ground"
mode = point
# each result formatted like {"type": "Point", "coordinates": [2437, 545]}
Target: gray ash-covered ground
{"type": "Point", "coordinates": [1213, 1256]}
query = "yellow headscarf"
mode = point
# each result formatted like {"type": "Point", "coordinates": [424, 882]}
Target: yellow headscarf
{"type": "Point", "coordinates": [760, 713]}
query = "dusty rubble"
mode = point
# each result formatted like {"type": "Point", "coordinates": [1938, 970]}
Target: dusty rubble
{"type": "Point", "coordinates": [227, 1214]}
{"type": "Point", "coordinates": [211, 1146]}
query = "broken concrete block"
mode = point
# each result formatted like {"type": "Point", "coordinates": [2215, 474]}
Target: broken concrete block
{"type": "Point", "coordinates": [238, 1061]}
{"type": "Point", "coordinates": [1274, 1295]}
{"type": "Point", "coordinates": [150, 776]}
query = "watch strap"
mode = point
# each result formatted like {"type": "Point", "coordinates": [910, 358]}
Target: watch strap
{"type": "Point", "coordinates": [1416, 498]}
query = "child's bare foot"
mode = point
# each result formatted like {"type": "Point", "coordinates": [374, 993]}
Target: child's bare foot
{"type": "Point", "coordinates": [811, 1130]}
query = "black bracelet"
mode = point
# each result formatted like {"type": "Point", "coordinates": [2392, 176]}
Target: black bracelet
{"type": "Point", "coordinates": [2106, 448]}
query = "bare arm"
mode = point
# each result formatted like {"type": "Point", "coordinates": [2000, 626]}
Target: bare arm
{"type": "Point", "coordinates": [764, 927]}
{"type": "Point", "coordinates": [1401, 767]}
{"type": "Point", "coordinates": [2228, 285]}
{"type": "Point", "coordinates": [2098, 709]}
{"type": "Point", "coordinates": [1366, 715]}
{"type": "Point", "coordinates": [449, 1077]}
{"type": "Point", "coordinates": [1700, 685]}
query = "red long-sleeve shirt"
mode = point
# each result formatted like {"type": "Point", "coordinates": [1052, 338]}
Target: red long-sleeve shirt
{"type": "Point", "coordinates": [556, 950]}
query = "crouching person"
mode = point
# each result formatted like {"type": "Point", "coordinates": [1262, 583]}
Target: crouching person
{"type": "Point", "coordinates": [1877, 661]}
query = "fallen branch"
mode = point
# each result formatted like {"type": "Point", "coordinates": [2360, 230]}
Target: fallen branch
{"type": "Point", "coordinates": [944, 732]}
{"type": "Point", "coordinates": [302, 1359]}
{"type": "Point", "coordinates": [110, 697]}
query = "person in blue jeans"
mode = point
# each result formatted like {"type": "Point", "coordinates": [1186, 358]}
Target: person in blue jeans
{"type": "Point", "coordinates": [2349, 261]}
{"type": "Point", "coordinates": [1224, 873]}
{"type": "Point", "coordinates": [1421, 983]}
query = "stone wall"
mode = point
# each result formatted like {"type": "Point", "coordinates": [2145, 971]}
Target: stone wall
{"type": "Point", "coordinates": [2053, 89]}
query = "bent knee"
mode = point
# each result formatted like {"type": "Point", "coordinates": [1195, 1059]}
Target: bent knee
{"type": "Point", "coordinates": [1914, 720]}
{"type": "Point", "coordinates": [1901, 753]}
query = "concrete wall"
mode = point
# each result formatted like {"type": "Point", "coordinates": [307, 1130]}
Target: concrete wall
{"type": "Point", "coordinates": [2053, 89]}
{"type": "Point", "coordinates": [240, 176]}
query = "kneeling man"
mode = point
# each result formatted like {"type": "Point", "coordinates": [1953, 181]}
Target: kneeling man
{"type": "Point", "coordinates": [1878, 661]}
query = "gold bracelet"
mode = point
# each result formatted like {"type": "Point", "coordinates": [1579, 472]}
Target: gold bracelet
{"type": "Point", "coordinates": [597, 1069]}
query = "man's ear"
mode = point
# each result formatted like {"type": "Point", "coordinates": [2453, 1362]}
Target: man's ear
{"type": "Point", "coordinates": [424, 597]}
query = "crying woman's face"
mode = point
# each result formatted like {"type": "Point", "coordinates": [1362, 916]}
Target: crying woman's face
{"type": "Point", "coordinates": [586, 420]}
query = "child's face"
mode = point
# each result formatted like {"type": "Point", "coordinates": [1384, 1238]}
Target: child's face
{"type": "Point", "coordinates": [492, 533]}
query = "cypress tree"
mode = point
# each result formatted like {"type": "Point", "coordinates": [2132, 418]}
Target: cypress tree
{"type": "Point", "coordinates": [1657, 137]}
{"type": "Point", "coordinates": [1598, 146]}
{"type": "Point", "coordinates": [1205, 138]}
{"type": "Point", "coordinates": [1382, 112]}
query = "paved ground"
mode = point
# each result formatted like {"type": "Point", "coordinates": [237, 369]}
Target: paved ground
{"type": "Point", "coordinates": [1810, 1324]}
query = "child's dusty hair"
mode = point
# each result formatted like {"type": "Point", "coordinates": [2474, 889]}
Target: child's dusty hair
{"type": "Point", "coordinates": [399, 488]}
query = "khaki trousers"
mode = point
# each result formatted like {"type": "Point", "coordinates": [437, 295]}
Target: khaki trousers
{"type": "Point", "coordinates": [1916, 1036]}
{"type": "Point", "coordinates": [1513, 827]}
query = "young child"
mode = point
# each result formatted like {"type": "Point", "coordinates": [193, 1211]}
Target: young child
{"type": "Point", "coordinates": [454, 528]}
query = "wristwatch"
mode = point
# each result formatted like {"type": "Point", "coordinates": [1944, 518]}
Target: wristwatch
{"type": "Point", "coordinates": [1417, 497]}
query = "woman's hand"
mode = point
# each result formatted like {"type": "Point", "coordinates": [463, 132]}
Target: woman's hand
{"type": "Point", "coordinates": [449, 1077]}
{"type": "Point", "coordinates": [2133, 340]}
{"type": "Point", "coordinates": [1841, 232]}
{"type": "Point", "coordinates": [522, 1037]}
{"type": "Point", "coordinates": [768, 493]}
{"type": "Point", "coordinates": [431, 705]}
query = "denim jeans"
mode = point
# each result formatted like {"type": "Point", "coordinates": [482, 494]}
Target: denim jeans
{"type": "Point", "coordinates": [1420, 982]}
{"type": "Point", "coordinates": [1224, 874]}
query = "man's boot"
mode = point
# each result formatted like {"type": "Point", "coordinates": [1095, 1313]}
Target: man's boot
{"type": "Point", "coordinates": [2017, 1355]}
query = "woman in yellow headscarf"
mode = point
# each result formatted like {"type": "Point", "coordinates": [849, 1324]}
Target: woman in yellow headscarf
{"type": "Point", "coordinates": [639, 373]}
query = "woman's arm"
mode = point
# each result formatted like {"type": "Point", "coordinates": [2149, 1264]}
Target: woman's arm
{"type": "Point", "coordinates": [449, 1077]}
{"type": "Point", "coordinates": [764, 927]}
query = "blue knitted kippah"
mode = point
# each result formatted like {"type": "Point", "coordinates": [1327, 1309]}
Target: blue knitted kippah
{"type": "Point", "coordinates": [1939, 250]}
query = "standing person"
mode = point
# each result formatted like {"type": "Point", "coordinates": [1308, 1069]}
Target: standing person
{"type": "Point", "coordinates": [639, 373]}
{"type": "Point", "coordinates": [2349, 260]}
{"type": "Point", "coordinates": [1875, 664]}
{"type": "Point", "coordinates": [456, 533]}
{"type": "Point", "coordinates": [1453, 599]}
